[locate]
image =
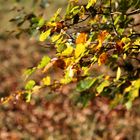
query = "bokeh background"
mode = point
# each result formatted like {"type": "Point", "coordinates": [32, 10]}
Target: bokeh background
{"type": "Point", "coordinates": [50, 116]}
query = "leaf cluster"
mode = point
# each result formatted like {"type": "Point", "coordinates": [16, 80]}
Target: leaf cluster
{"type": "Point", "coordinates": [97, 49]}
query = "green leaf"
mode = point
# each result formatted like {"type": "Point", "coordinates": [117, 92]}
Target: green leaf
{"type": "Point", "coordinates": [44, 35]}
{"type": "Point", "coordinates": [28, 72]}
{"type": "Point", "coordinates": [45, 60]}
{"type": "Point", "coordinates": [60, 47]}
{"type": "Point", "coordinates": [54, 18]}
{"type": "Point", "coordinates": [30, 84]}
{"type": "Point", "coordinates": [75, 10]}
{"type": "Point", "coordinates": [41, 22]}
{"type": "Point", "coordinates": [90, 3]}
{"type": "Point", "coordinates": [85, 84]}
{"type": "Point", "coordinates": [102, 86]}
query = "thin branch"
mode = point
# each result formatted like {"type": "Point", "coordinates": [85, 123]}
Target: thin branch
{"type": "Point", "coordinates": [79, 21]}
{"type": "Point", "coordinates": [137, 11]}
{"type": "Point", "coordinates": [113, 19]}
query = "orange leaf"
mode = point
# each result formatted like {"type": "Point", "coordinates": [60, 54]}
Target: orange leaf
{"type": "Point", "coordinates": [102, 35]}
{"type": "Point", "coordinates": [102, 58]}
{"type": "Point", "coordinates": [119, 46]}
{"type": "Point", "coordinates": [81, 38]}
{"type": "Point", "coordinates": [101, 38]}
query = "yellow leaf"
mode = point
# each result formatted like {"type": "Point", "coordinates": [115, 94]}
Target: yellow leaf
{"type": "Point", "coordinates": [46, 81]}
{"type": "Point", "coordinates": [118, 75]}
{"type": "Point", "coordinates": [90, 3]}
{"type": "Point", "coordinates": [68, 51]}
{"type": "Point", "coordinates": [44, 35]}
{"type": "Point", "coordinates": [80, 49]}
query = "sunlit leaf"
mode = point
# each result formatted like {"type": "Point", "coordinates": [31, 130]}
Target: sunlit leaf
{"type": "Point", "coordinates": [41, 22]}
{"type": "Point", "coordinates": [68, 51]}
{"type": "Point", "coordinates": [44, 35]}
{"type": "Point", "coordinates": [81, 38]}
{"type": "Point", "coordinates": [28, 96]}
{"type": "Point", "coordinates": [55, 38]}
{"type": "Point", "coordinates": [104, 84]}
{"type": "Point", "coordinates": [46, 81]}
{"type": "Point", "coordinates": [75, 10]}
{"type": "Point", "coordinates": [45, 60]}
{"type": "Point", "coordinates": [90, 3]}
{"type": "Point", "coordinates": [118, 74]}
{"type": "Point", "coordinates": [30, 84]}
{"type": "Point", "coordinates": [79, 50]}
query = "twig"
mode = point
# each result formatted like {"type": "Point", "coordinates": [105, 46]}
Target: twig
{"type": "Point", "coordinates": [113, 20]}
{"type": "Point", "coordinates": [79, 21]}
{"type": "Point", "coordinates": [137, 11]}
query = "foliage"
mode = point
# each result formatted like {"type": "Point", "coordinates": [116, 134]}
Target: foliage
{"type": "Point", "coordinates": [88, 38]}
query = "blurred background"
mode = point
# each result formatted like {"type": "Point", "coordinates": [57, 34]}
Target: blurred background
{"type": "Point", "coordinates": [50, 116]}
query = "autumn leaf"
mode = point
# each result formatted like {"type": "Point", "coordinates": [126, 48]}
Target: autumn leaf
{"type": "Point", "coordinates": [60, 63]}
{"type": "Point", "coordinates": [55, 62]}
{"type": "Point", "coordinates": [118, 74]}
{"type": "Point", "coordinates": [101, 37]}
{"type": "Point", "coordinates": [44, 35]}
{"type": "Point", "coordinates": [68, 51]}
{"type": "Point", "coordinates": [80, 49]}
{"type": "Point", "coordinates": [81, 38]}
{"type": "Point", "coordinates": [119, 46]}
{"type": "Point", "coordinates": [102, 58]}
{"type": "Point", "coordinates": [46, 81]}
{"type": "Point", "coordinates": [90, 3]}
